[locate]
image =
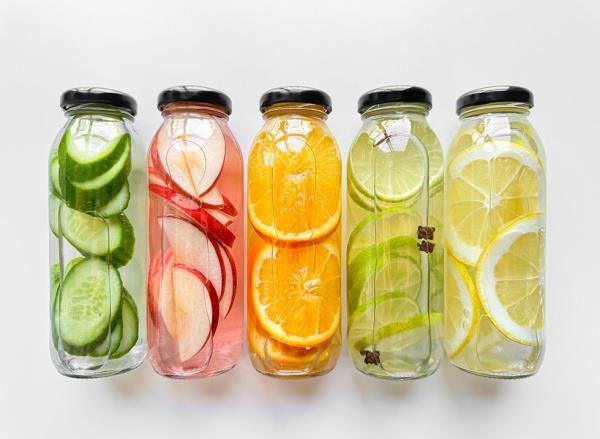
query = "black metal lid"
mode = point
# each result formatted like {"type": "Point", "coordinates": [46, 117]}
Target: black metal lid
{"type": "Point", "coordinates": [194, 93]}
{"type": "Point", "coordinates": [97, 95]}
{"type": "Point", "coordinates": [499, 93]}
{"type": "Point", "coordinates": [295, 94]}
{"type": "Point", "coordinates": [394, 93]}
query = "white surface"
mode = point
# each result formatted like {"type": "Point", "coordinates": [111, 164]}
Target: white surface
{"type": "Point", "coordinates": [344, 47]}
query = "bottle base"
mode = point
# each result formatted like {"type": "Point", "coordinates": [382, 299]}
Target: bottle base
{"type": "Point", "coordinates": [292, 375]}
{"type": "Point", "coordinates": [397, 376]}
{"type": "Point", "coordinates": [193, 375]}
{"type": "Point", "coordinates": [118, 367]}
{"type": "Point", "coordinates": [498, 375]}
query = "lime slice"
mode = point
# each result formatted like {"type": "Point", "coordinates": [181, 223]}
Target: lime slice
{"type": "Point", "coordinates": [461, 310]}
{"type": "Point", "coordinates": [382, 226]}
{"type": "Point", "coordinates": [384, 309]}
{"type": "Point", "coordinates": [510, 279]}
{"type": "Point", "coordinates": [387, 166]}
{"type": "Point", "coordinates": [402, 345]}
{"type": "Point", "coordinates": [389, 266]}
{"type": "Point", "coordinates": [489, 185]}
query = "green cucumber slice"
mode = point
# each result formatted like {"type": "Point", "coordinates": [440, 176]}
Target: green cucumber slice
{"type": "Point", "coordinates": [91, 195]}
{"type": "Point", "coordinates": [111, 343]}
{"type": "Point", "coordinates": [111, 238]}
{"type": "Point", "coordinates": [54, 291]}
{"type": "Point", "coordinates": [88, 301]}
{"type": "Point", "coordinates": [131, 323]}
{"type": "Point", "coordinates": [53, 211]}
{"type": "Point", "coordinates": [87, 156]}
{"type": "Point", "coordinates": [54, 175]}
{"type": "Point", "coordinates": [117, 205]}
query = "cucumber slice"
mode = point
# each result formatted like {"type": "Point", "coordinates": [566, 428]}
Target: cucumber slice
{"type": "Point", "coordinates": [53, 211]}
{"type": "Point", "coordinates": [131, 323]}
{"type": "Point", "coordinates": [91, 195]}
{"type": "Point", "coordinates": [54, 290]}
{"type": "Point", "coordinates": [111, 238]}
{"type": "Point", "coordinates": [111, 343]}
{"type": "Point", "coordinates": [117, 205]}
{"type": "Point", "coordinates": [54, 175]}
{"type": "Point", "coordinates": [89, 300]}
{"type": "Point", "coordinates": [87, 156]}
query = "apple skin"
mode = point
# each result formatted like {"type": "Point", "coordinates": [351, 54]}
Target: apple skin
{"type": "Point", "coordinates": [201, 217]}
{"type": "Point", "coordinates": [228, 280]}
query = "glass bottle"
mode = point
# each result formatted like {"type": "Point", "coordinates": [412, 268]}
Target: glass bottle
{"type": "Point", "coordinates": [97, 224]}
{"type": "Point", "coordinates": [494, 234]}
{"type": "Point", "coordinates": [195, 233]}
{"type": "Point", "coordinates": [294, 210]}
{"type": "Point", "coordinates": [394, 257]}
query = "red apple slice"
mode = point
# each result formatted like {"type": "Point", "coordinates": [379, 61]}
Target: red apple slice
{"type": "Point", "coordinates": [228, 207]}
{"type": "Point", "coordinates": [157, 267]}
{"type": "Point", "coordinates": [192, 247]}
{"type": "Point", "coordinates": [230, 277]}
{"type": "Point", "coordinates": [223, 218]}
{"type": "Point", "coordinates": [212, 198]}
{"type": "Point", "coordinates": [155, 177]}
{"type": "Point", "coordinates": [195, 309]}
{"type": "Point", "coordinates": [193, 159]}
{"type": "Point", "coordinates": [201, 217]}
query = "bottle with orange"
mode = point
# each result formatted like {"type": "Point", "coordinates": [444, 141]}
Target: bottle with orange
{"type": "Point", "coordinates": [294, 212]}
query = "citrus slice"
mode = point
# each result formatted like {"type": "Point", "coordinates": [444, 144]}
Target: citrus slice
{"type": "Point", "coordinates": [488, 186]}
{"type": "Point", "coordinates": [385, 309]}
{"type": "Point", "coordinates": [461, 308]}
{"type": "Point", "coordinates": [295, 292]}
{"type": "Point", "coordinates": [382, 226]}
{"type": "Point", "coordinates": [294, 182]}
{"type": "Point", "coordinates": [389, 266]}
{"type": "Point", "coordinates": [276, 353]}
{"type": "Point", "coordinates": [510, 279]}
{"type": "Point", "coordinates": [387, 165]}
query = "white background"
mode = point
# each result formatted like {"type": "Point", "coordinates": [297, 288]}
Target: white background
{"type": "Point", "coordinates": [345, 48]}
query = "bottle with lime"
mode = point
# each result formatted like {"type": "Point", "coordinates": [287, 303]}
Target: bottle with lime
{"type": "Point", "coordinates": [494, 234]}
{"type": "Point", "coordinates": [394, 257]}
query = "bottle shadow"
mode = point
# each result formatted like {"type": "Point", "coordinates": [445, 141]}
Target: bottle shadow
{"type": "Point", "coordinates": [463, 384]}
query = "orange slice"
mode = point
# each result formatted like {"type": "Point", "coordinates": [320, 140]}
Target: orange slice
{"type": "Point", "coordinates": [273, 351]}
{"type": "Point", "coordinates": [295, 292]}
{"type": "Point", "coordinates": [294, 181]}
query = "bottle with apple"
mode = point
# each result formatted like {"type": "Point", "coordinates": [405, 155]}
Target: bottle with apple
{"type": "Point", "coordinates": [195, 236]}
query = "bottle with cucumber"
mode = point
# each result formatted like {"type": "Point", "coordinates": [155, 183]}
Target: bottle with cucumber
{"type": "Point", "coordinates": [97, 220]}
{"type": "Point", "coordinates": [394, 254]}
{"type": "Point", "coordinates": [195, 232]}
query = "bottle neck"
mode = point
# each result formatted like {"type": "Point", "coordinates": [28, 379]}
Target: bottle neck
{"type": "Point", "coordinates": [99, 109]}
{"type": "Point", "coordinates": [296, 109]}
{"type": "Point", "coordinates": [193, 108]}
{"type": "Point", "coordinates": [395, 108]}
{"type": "Point", "coordinates": [494, 108]}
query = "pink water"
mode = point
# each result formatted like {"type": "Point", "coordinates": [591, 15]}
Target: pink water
{"type": "Point", "coordinates": [195, 244]}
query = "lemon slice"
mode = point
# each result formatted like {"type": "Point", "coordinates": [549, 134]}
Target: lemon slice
{"type": "Point", "coordinates": [488, 186]}
{"type": "Point", "coordinates": [461, 308]}
{"type": "Point", "coordinates": [510, 279]}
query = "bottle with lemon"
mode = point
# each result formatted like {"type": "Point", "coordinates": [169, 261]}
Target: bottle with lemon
{"type": "Point", "coordinates": [294, 210]}
{"type": "Point", "coordinates": [394, 254]}
{"type": "Point", "coordinates": [494, 235]}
